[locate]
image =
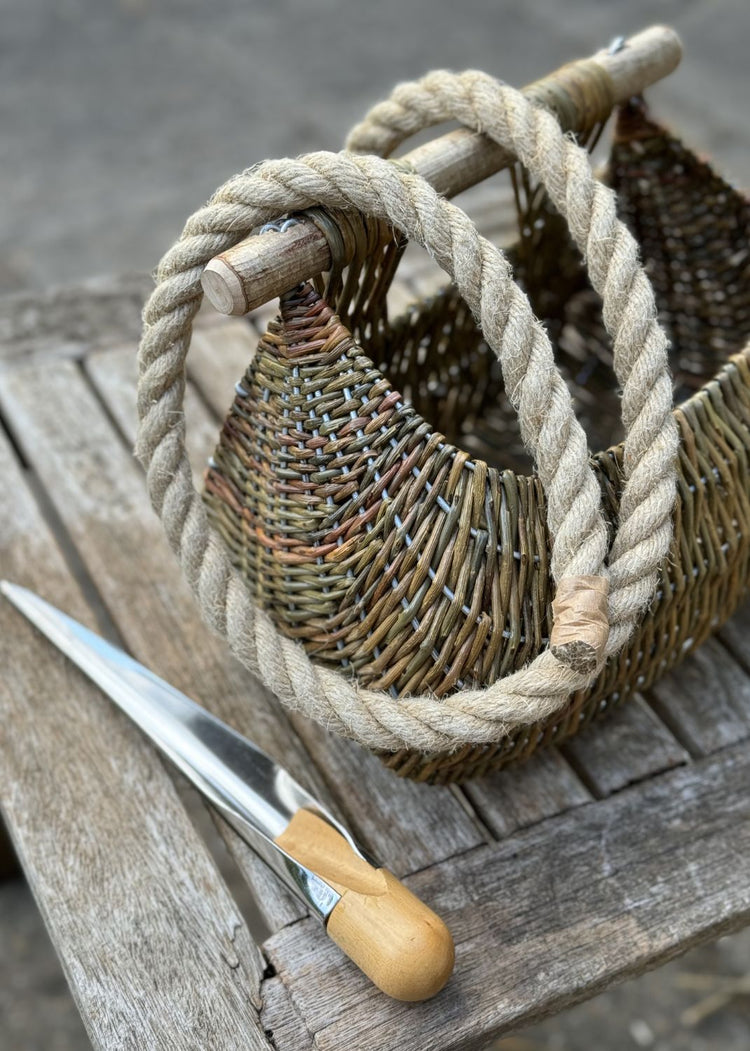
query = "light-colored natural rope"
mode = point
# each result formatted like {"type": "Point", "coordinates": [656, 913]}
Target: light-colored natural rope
{"type": "Point", "coordinates": [639, 345]}
{"type": "Point", "coordinates": [376, 187]}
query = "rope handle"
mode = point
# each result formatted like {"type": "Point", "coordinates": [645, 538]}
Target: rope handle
{"type": "Point", "coordinates": [640, 347]}
{"type": "Point", "coordinates": [555, 438]}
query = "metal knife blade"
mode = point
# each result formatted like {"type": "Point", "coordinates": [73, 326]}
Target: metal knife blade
{"type": "Point", "coordinates": [256, 795]}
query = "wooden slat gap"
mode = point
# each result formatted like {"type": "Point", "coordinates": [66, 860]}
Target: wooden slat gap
{"type": "Point", "coordinates": [279, 1012]}
{"type": "Point", "coordinates": [579, 769]}
{"type": "Point", "coordinates": [739, 656]}
{"type": "Point", "coordinates": [512, 799]}
{"type": "Point", "coordinates": [216, 418]}
{"type": "Point", "coordinates": [578, 766]}
{"type": "Point", "coordinates": [76, 770]}
{"type": "Point", "coordinates": [473, 814]}
{"type": "Point", "coordinates": [674, 726]}
{"type": "Point", "coordinates": [114, 423]}
{"type": "Point", "coordinates": [205, 404]}
{"type": "Point", "coordinates": [6, 431]}
{"type": "Point", "coordinates": [66, 321]}
{"type": "Point", "coordinates": [66, 546]}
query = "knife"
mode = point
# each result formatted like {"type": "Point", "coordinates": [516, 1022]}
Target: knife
{"type": "Point", "coordinates": [392, 936]}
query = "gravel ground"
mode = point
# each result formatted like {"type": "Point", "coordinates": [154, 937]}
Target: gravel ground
{"type": "Point", "coordinates": [119, 119]}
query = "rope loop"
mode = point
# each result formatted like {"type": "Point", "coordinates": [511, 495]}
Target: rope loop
{"type": "Point", "coordinates": [579, 563]}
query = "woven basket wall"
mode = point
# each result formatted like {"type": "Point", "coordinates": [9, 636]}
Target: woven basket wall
{"type": "Point", "coordinates": [371, 486]}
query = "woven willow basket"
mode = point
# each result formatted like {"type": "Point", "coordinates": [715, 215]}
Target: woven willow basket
{"type": "Point", "coordinates": [372, 490]}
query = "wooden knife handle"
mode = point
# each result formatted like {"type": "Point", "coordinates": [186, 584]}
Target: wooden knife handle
{"type": "Point", "coordinates": [392, 936]}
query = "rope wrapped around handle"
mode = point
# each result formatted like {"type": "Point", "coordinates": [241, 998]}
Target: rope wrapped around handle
{"type": "Point", "coordinates": [548, 425]}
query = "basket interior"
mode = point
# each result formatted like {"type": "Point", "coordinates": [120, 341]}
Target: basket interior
{"type": "Point", "coordinates": [692, 228]}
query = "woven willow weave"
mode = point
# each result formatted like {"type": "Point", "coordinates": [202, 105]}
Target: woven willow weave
{"type": "Point", "coordinates": [371, 487]}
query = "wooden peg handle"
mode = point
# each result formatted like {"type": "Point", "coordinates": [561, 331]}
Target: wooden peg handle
{"type": "Point", "coordinates": [400, 944]}
{"type": "Point", "coordinates": [580, 93]}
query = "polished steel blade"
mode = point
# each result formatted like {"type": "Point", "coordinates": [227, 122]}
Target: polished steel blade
{"type": "Point", "coordinates": [252, 791]}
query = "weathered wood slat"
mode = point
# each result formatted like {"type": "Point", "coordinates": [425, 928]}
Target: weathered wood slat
{"type": "Point", "coordinates": [410, 826]}
{"type": "Point", "coordinates": [219, 357]}
{"type": "Point", "coordinates": [113, 373]}
{"type": "Point", "coordinates": [66, 321]}
{"type": "Point", "coordinates": [626, 746]}
{"type": "Point", "coordinates": [706, 701]}
{"type": "Point", "coordinates": [553, 914]}
{"type": "Point", "coordinates": [153, 946]}
{"type": "Point", "coordinates": [516, 798]}
{"type": "Point", "coordinates": [280, 1019]}
{"type": "Point", "coordinates": [407, 826]}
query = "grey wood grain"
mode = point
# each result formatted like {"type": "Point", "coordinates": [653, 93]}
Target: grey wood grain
{"type": "Point", "coordinates": [553, 914]}
{"type": "Point", "coordinates": [219, 357]}
{"type": "Point", "coordinates": [282, 1024]}
{"type": "Point", "coordinates": [620, 749]}
{"type": "Point", "coordinates": [98, 491]}
{"type": "Point", "coordinates": [60, 446]}
{"type": "Point", "coordinates": [623, 747]}
{"type": "Point", "coordinates": [154, 948]}
{"type": "Point", "coordinates": [706, 701]}
{"type": "Point", "coordinates": [407, 825]}
{"type": "Point", "coordinates": [113, 374]}
{"type": "Point", "coordinates": [523, 795]}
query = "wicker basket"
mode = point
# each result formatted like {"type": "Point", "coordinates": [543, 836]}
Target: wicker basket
{"type": "Point", "coordinates": [423, 398]}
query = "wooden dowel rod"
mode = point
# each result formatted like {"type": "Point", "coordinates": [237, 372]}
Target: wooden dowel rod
{"type": "Point", "coordinates": [580, 93]}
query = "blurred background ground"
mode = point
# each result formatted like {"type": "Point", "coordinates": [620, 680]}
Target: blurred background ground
{"type": "Point", "coordinates": [118, 119]}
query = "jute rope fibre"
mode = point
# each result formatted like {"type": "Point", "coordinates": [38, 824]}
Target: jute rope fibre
{"type": "Point", "coordinates": [375, 186]}
{"type": "Point", "coordinates": [611, 254]}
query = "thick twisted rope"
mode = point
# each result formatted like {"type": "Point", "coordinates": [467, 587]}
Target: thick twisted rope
{"type": "Point", "coordinates": [549, 427]}
{"type": "Point", "coordinates": [629, 312]}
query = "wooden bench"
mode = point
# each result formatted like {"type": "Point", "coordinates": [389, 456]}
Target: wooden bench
{"type": "Point", "coordinates": [583, 868]}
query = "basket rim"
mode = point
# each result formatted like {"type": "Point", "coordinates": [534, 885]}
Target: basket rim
{"type": "Point", "coordinates": [470, 461]}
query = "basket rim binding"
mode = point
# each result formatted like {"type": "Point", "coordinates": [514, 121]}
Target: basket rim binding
{"type": "Point", "coordinates": [345, 181]}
